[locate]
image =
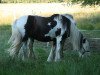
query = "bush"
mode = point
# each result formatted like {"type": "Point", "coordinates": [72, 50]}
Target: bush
{"type": "Point", "coordinates": [86, 27]}
{"type": "Point", "coordinates": [97, 26]}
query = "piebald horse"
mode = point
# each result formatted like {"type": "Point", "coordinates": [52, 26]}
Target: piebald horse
{"type": "Point", "coordinates": [55, 28]}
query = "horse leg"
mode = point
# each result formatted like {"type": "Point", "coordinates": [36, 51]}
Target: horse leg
{"type": "Point", "coordinates": [52, 52]}
{"type": "Point", "coordinates": [58, 47]}
{"type": "Point", "coordinates": [48, 44]}
{"type": "Point", "coordinates": [30, 46]}
{"type": "Point", "coordinates": [23, 51]}
{"type": "Point", "coordinates": [62, 46]}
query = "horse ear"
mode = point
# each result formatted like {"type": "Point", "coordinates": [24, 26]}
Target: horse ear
{"type": "Point", "coordinates": [64, 20]}
{"type": "Point", "coordinates": [54, 15]}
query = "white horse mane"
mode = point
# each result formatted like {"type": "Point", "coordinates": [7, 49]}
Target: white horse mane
{"type": "Point", "coordinates": [74, 33]}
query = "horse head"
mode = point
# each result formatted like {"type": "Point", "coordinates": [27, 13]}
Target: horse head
{"type": "Point", "coordinates": [85, 48]}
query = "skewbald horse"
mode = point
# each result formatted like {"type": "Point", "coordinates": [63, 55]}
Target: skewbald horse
{"type": "Point", "coordinates": [55, 28]}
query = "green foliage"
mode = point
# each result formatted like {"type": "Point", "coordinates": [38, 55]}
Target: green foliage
{"type": "Point", "coordinates": [88, 21]}
{"type": "Point", "coordinates": [31, 1]}
{"type": "Point", "coordinates": [97, 26]}
{"type": "Point", "coordinates": [86, 27]}
{"type": "Point", "coordinates": [86, 2]}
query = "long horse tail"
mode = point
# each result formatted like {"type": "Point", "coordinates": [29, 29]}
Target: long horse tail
{"type": "Point", "coordinates": [15, 40]}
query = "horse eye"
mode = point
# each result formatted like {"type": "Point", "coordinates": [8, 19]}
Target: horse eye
{"type": "Point", "coordinates": [53, 24]}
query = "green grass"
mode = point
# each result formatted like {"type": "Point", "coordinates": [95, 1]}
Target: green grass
{"type": "Point", "coordinates": [91, 33]}
{"type": "Point", "coordinates": [70, 65]}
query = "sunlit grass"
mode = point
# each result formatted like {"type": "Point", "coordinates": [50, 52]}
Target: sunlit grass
{"type": "Point", "coordinates": [87, 17]}
{"type": "Point", "coordinates": [88, 21]}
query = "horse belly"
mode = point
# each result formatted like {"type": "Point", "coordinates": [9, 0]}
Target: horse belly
{"type": "Point", "coordinates": [43, 38]}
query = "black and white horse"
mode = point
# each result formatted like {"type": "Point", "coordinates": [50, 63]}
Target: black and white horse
{"type": "Point", "coordinates": [55, 28]}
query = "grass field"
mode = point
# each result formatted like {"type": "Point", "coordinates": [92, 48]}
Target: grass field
{"type": "Point", "coordinates": [70, 65]}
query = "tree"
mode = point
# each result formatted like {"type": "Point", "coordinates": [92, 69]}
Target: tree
{"type": "Point", "coordinates": [88, 2]}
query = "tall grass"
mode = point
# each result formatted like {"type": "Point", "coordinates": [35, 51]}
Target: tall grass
{"type": "Point", "coordinates": [70, 65]}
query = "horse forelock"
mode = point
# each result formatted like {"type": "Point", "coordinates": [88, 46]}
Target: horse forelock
{"type": "Point", "coordinates": [81, 40]}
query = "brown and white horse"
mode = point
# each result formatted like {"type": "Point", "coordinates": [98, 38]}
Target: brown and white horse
{"type": "Point", "coordinates": [55, 28]}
